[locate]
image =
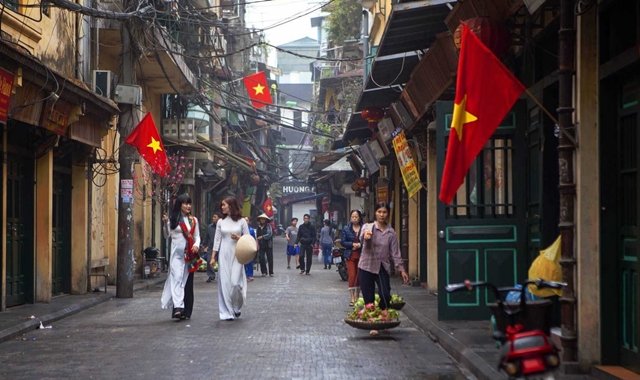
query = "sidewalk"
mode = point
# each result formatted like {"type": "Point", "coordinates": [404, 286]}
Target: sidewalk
{"type": "Point", "coordinates": [17, 320]}
{"type": "Point", "coordinates": [468, 342]}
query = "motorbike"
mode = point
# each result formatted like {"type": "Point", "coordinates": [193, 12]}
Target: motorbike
{"type": "Point", "coordinates": [525, 348]}
{"type": "Point", "coordinates": [337, 254]}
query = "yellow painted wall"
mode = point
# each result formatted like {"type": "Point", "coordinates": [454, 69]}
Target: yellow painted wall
{"type": "Point", "coordinates": [431, 207]}
{"type": "Point", "coordinates": [50, 37]}
{"type": "Point", "coordinates": [588, 184]}
{"type": "Point", "coordinates": [79, 220]}
{"type": "Point", "coordinates": [104, 214]}
{"type": "Point", "coordinates": [378, 17]}
{"type": "Point", "coordinates": [43, 226]}
{"type": "Point", "coordinates": [415, 232]}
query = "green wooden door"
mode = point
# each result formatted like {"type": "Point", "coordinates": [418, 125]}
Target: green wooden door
{"type": "Point", "coordinates": [620, 220]}
{"type": "Point", "coordinates": [61, 234]}
{"type": "Point", "coordinates": [481, 233]}
{"type": "Point", "coordinates": [19, 213]}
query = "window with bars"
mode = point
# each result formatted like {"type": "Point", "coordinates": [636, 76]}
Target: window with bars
{"type": "Point", "coordinates": [488, 187]}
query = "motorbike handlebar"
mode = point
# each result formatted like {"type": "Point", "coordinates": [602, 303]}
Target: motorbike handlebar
{"type": "Point", "coordinates": [542, 284]}
{"type": "Point", "coordinates": [470, 285]}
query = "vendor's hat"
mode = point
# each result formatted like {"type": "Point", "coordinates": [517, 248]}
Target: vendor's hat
{"type": "Point", "coordinates": [263, 215]}
{"type": "Point", "coordinates": [246, 249]}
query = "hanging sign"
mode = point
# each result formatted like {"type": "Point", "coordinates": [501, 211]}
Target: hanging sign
{"type": "Point", "coordinates": [407, 164]}
{"type": "Point", "coordinates": [6, 85]}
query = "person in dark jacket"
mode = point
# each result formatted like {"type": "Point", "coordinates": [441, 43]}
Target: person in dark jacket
{"type": "Point", "coordinates": [208, 246]}
{"type": "Point", "coordinates": [353, 245]}
{"type": "Point", "coordinates": [306, 238]}
{"type": "Point", "coordinates": [264, 236]}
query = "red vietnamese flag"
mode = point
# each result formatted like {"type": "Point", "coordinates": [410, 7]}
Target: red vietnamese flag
{"type": "Point", "coordinates": [485, 91]}
{"type": "Point", "coordinates": [146, 139]}
{"type": "Point", "coordinates": [267, 207]}
{"type": "Point", "coordinates": [258, 89]}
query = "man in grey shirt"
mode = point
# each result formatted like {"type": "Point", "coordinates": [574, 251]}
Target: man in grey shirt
{"type": "Point", "coordinates": [291, 233]}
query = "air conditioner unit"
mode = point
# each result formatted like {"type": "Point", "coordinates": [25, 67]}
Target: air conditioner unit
{"type": "Point", "coordinates": [101, 82]}
{"type": "Point", "coordinates": [128, 94]}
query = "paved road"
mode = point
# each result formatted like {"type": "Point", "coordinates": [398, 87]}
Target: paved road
{"type": "Point", "coordinates": [291, 328]}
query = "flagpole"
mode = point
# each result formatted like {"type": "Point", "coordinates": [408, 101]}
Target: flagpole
{"type": "Point", "coordinates": [546, 111]}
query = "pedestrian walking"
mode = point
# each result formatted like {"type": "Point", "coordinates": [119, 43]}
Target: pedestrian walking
{"type": "Point", "coordinates": [264, 236]}
{"type": "Point", "coordinates": [305, 239]}
{"type": "Point", "coordinates": [291, 233]}
{"type": "Point", "coordinates": [208, 246]}
{"type": "Point", "coordinates": [326, 243]}
{"type": "Point", "coordinates": [352, 244]}
{"type": "Point", "coordinates": [184, 231]}
{"type": "Point", "coordinates": [379, 249]}
{"type": "Point", "coordinates": [248, 267]}
{"type": "Point", "coordinates": [232, 280]}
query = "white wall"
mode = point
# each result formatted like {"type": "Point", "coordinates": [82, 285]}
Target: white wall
{"type": "Point", "coordinates": [299, 209]}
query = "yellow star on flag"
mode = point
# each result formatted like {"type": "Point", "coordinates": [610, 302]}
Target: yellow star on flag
{"type": "Point", "coordinates": [259, 89]}
{"type": "Point", "coordinates": [155, 145]}
{"type": "Point", "coordinates": [461, 117]}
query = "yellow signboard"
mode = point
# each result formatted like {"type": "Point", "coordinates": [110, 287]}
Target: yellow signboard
{"type": "Point", "coordinates": [407, 165]}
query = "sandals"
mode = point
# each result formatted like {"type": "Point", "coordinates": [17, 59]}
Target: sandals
{"type": "Point", "coordinates": [177, 313]}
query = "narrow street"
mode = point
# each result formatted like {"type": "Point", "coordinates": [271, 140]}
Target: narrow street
{"type": "Point", "coordinates": [291, 328]}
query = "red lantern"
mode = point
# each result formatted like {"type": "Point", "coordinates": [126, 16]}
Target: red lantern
{"type": "Point", "coordinates": [325, 204]}
{"type": "Point", "coordinates": [493, 34]}
{"type": "Point", "coordinates": [361, 183]}
{"type": "Point", "coordinates": [372, 115]}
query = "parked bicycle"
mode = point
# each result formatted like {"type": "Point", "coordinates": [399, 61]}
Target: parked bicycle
{"type": "Point", "coordinates": [526, 349]}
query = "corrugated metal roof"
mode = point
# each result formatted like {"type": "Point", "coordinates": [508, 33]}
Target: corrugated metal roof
{"type": "Point", "coordinates": [411, 28]}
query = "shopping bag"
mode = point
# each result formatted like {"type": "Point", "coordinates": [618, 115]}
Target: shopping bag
{"type": "Point", "coordinates": [547, 267]}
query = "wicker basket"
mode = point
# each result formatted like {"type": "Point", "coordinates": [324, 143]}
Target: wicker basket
{"type": "Point", "coordinates": [536, 316]}
{"type": "Point", "coordinates": [364, 325]}
{"type": "Point", "coordinates": [397, 306]}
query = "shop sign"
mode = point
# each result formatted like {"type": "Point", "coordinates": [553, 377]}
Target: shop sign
{"type": "Point", "coordinates": [407, 164]}
{"type": "Point", "coordinates": [297, 189]}
{"type": "Point", "coordinates": [6, 86]}
{"type": "Point", "coordinates": [56, 121]}
{"type": "Point", "coordinates": [382, 194]}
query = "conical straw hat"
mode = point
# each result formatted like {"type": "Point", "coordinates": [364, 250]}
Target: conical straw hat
{"type": "Point", "coordinates": [246, 249]}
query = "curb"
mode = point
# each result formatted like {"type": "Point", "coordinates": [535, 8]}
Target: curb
{"type": "Point", "coordinates": [464, 355]}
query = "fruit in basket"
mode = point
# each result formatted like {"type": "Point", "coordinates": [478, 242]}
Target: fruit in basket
{"type": "Point", "coordinates": [372, 313]}
{"type": "Point", "coordinates": [395, 299]}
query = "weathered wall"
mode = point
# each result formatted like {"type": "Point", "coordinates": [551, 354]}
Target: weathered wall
{"type": "Point", "coordinates": [588, 184]}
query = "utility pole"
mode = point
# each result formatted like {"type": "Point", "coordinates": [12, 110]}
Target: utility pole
{"type": "Point", "coordinates": [124, 285]}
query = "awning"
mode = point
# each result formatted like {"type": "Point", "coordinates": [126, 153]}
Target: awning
{"type": "Point", "coordinates": [73, 90]}
{"type": "Point", "coordinates": [342, 165]}
{"type": "Point", "coordinates": [357, 129]}
{"type": "Point", "coordinates": [410, 30]}
{"type": "Point", "coordinates": [231, 157]}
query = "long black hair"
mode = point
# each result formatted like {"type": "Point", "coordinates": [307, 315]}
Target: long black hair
{"type": "Point", "coordinates": [176, 211]}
